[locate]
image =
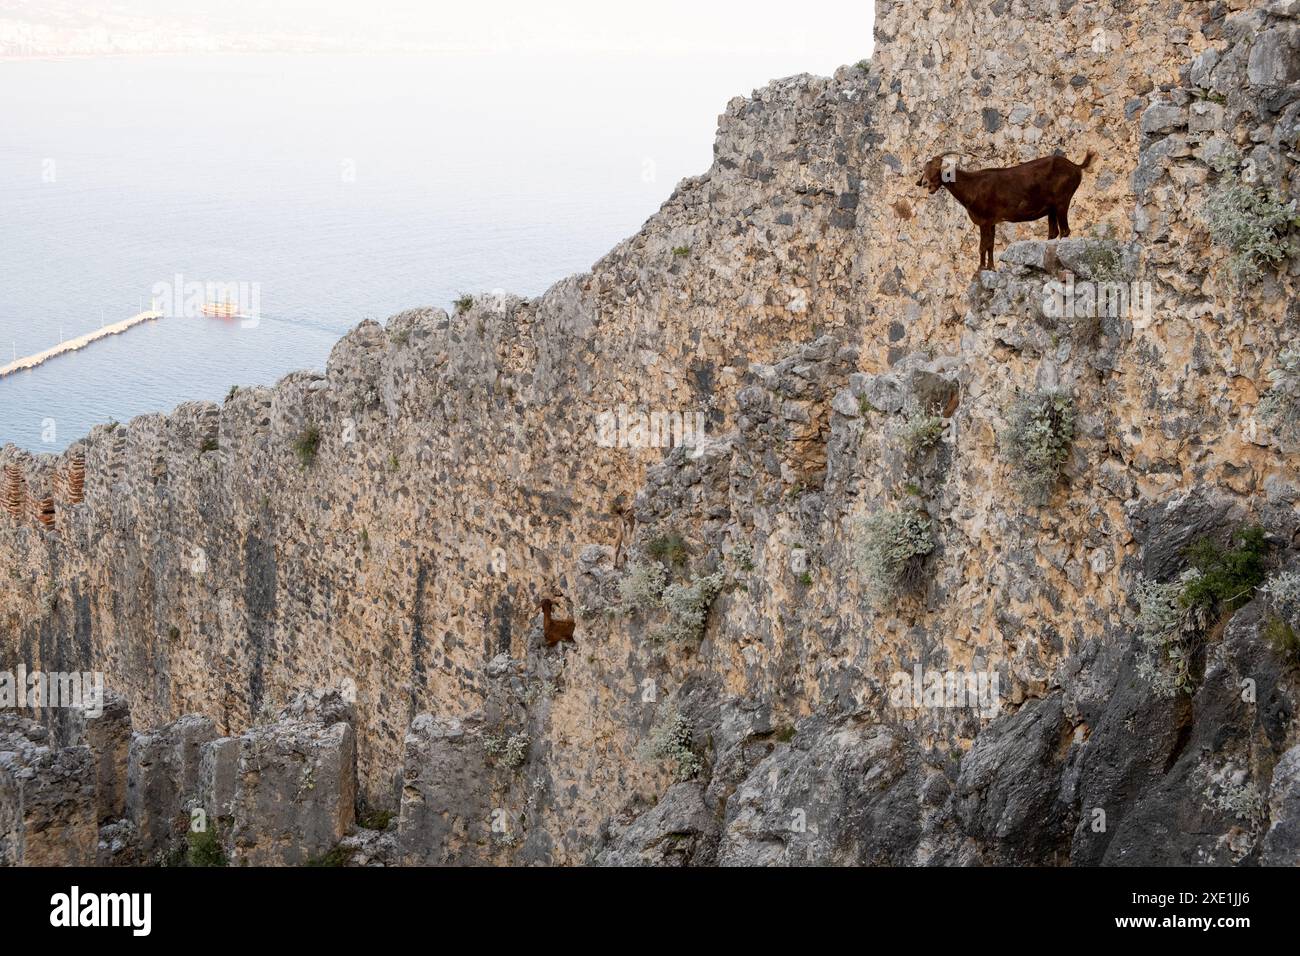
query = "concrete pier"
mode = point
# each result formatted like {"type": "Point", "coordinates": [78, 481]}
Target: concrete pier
{"type": "Point", "coordinates": [80, 342]}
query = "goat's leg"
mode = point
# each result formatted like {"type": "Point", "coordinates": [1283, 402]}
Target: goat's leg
{"type": "Point", "coordinates": [1064, 219]}
{"type": "Point", "coordinates": [1052, 230]}
{"type": "Point", "coordinates": [986, 245]}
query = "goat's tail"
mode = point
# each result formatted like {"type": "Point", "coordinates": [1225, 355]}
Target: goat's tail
{"type": "Point", "coordinates": [1087, 160]}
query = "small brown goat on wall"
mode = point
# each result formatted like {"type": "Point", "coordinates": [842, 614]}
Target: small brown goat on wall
{"type": "Point", "coordinates": [555, 630]}
{"type": "Point", "coordinates": [1032, 190]}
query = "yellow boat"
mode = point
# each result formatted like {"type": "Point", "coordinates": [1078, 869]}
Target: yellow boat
{"type": "Point", "coordinates": [221, 310]}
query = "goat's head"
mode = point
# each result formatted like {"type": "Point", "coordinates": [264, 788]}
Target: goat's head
{"type": "Point", "coordinates": [932, 174]}
{"type": "Point", "coordinates": [549, 597]}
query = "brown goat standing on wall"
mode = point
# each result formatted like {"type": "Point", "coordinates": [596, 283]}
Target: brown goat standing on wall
{"type": "Point", "coordinates": [1032, 190]}
{"type": "Point", "coordinates": [554, 630]}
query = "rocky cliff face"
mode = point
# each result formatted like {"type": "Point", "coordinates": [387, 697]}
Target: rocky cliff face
{"type": "Point", "coordinates": [905, 472]}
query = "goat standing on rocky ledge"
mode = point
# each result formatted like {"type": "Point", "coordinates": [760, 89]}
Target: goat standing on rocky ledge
{"type": "Point", "coordinates": [1032, 190]}
{"type": "Point", "coordinates": [554, 630]}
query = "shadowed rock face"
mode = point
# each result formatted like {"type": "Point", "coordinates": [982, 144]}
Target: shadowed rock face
{"type": "Point", "coordinates": [301, 630]}
{"type": "Point", "coordinates": [47, 798]}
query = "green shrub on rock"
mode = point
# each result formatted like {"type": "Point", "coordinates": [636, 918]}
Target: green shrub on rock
{"type": "Point", "coordinates": [1175, 617]}
{"type": "Point", "coordinates": [1280, 408]}
{"type": "Point", "coordinates": [643, 584]}
{"type": "Point", "coordinates": [920, 432]}
{"type": "Point", "coordinates": [688, 608]}
{"type": "Point", "coordinates": [1164, 633]}
{"type": "Point", "coordinates": [509, 750]}
{"type": "Point", "coordinates": [307, 444]}
{"type": "Point", "coordinates": [1282, 592]}
{"type": "Point", "coordinates": [892, 547]}
{"type": "Point", "coordinates": [1040, 431]}
{"type": "Point", "coordinates": [670, 739]}
{"type": "Point", "coordinates": [1252, 222]}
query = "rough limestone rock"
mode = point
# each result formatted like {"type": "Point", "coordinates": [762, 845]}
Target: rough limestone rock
{"type": "Point", "coordinates": [164, 781]}
{"type": "Point", "coordinates": [1282, 842]}
{"type": "Point", "coordinates": [818, 313]}
{"type": "Point", "coordinates": [680, 830]}
{"type": "Point", "coordinates": [446, 810]}
{"type": "Point", "coordinates": [843, 794]}
{"type": "Point", "coordinates": [108, 736]}
{"type": "Point", "coordinates": [295, 792]}
{"type": "Point", "coordinates": [48, 808]}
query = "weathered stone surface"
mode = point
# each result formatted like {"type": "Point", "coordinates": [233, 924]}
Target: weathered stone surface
{"type": "Point", "coordinates": [218, 777]}
{"type": "Point", "coordinates": [109, 738]}
{"type": "Point", "coordinates": [164, 781]}
{"type": "Point", "coordinates": [1282, 842]}
{"type": "Point", "coordinates": [48, 811]}
{"type": "Point", "coordinates": [1006, 793]}
{"type": "Point", "coordinates": [824, 303]}
{"type": "Point", "coordinates": [295, 792]}
{"type": "Point", "coordinates": [839, 794]}
{"type": "Point", "coordinates": [679, 831]}
{"type": "Point", "coordinates": [446, 810]}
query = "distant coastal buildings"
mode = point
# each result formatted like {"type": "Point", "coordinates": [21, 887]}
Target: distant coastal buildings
{"type": "Point", "coordinates": [63, 31]}
{"type": "Point", "coordinates": [20, 40]}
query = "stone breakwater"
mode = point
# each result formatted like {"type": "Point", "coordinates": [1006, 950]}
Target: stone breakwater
{"type": "Point", "coordinates": [77, 343]}
{"type": "Point", "coordinates": [382, 529]}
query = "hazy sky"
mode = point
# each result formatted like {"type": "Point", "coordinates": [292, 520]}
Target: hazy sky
{"type": "Point", "coordinates": [824, 33]}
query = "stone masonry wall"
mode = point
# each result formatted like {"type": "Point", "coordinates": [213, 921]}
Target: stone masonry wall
{"type": "Point", "coordinates": [384, 528]}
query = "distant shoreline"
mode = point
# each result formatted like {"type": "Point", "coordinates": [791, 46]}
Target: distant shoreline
{"type": "Point", "coordinates": [386, 51]}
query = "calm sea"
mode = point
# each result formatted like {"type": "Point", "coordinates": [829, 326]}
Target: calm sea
{"type": "Point", "coordinates": [340, 188]}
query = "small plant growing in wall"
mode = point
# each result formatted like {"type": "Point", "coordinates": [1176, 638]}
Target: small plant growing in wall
{"type": "Point", "coordinates": [375, 819]}
{"type": "Point", "coordinates": [1174, 618]}
{"type": "Point", "coordinates": [1282, 592]}
{"type": "Point", "coordinates": [338, 855]}
{"type": "Point", "coordinates": [204, 849]}
{"type": "Point", "coordinates": [643, 584]}
{"type": "Point", "coordinates": [670, 740]}
{"type": "Point", "coordinates": [742, 556]}
{"type": "Point", "coordinates": [681, 252]}
{"type": "Point", "coordinates": [1252, 222]}
{"type": "Point", "coordinates": [1103, 257]}
{"type": "Point", "coordinates": [1165, 634]}
{"type": "Point", "coordinates": [1036, 443]}
{"type": "Point", "coordinates": [509, 750]}
{"type": "Point", "coordinates": [1224, 579]}
{"type": "Point", "coordinates": [1280, 408]}
{"type": "Point", "coordinates": [464, 303]}
{"type": "Point", "coordinates": [306, 445]}
{"type": "Point", "coordinates": [1229, 791]}
{"type": "Point", "coordinates": [921, 432]}
{"type": "Point", "coordinates": [671, 549]}
{"type": "Point", "coordinates": [688, 608]}
{"type": "Point", "coordinates": [892, 548]}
